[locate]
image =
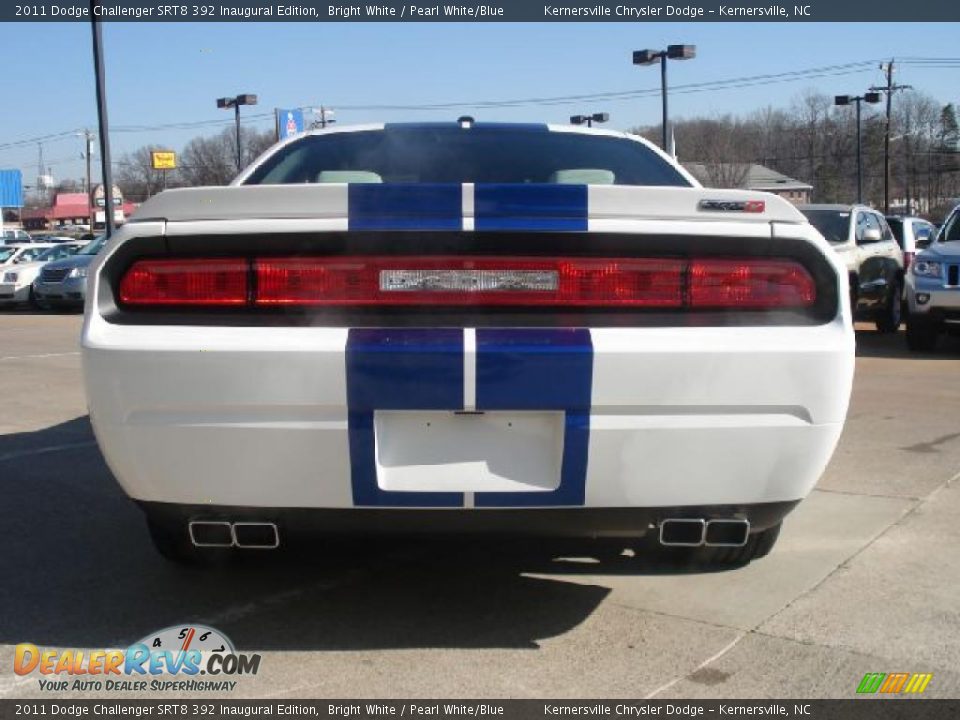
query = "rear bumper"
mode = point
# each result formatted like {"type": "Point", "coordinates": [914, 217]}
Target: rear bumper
{"type": "Point", "coordinates": [631, 522]}
{"type": "Point", "coordinates": [270, 418]}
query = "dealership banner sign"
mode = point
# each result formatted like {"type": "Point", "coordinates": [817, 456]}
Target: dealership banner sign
{"type": "Point", "coordinates": [860, 11]}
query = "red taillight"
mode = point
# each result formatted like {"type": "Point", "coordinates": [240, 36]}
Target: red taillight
{"type": "Point", "coordinates": [907, 259]}
{"type": "Point", "coordinates": [359, 281]}
{"type": "Point", "coordinates": [750, 283]}
{"type": "Point", "coordinates": [186, 282]}
{"type": "Point", "coordinates": [573, 282]}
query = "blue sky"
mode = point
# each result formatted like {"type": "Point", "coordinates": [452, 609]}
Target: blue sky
{"type": "Point", "coordinates": [170, 73]}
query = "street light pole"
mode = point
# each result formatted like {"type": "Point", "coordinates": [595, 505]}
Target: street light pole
{"type": "Point", "coordinates": [872, 98]}
{"type": "Point", "coordinates": [235, 103]}
{"type": "Point", "coordinates": [106, 171]}
{"type": "Point", "coordinates": [663, 95]}
{"type": "Point", "coordinates": [648, 57]}
{"type": "Point", "coordinates": [236, 119]}
{"type": "Point", "coordinates": [859, 157]}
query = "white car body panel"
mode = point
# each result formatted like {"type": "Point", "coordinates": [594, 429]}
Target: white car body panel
{"type": "Point", "coordinates": [260, 416]}
{"type": "Point", "coordinates": [195, 415]}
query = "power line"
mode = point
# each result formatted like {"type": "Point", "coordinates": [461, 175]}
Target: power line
{"type": "Point", "coordinates": [730, 83]}
{"type": "Point", "coordinates": [747, 81]}
{"type": "Point", "coordinates": [53, 137]}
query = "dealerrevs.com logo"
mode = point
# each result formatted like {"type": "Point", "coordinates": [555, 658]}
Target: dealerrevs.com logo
{"type": "Point", "coordinates": [187, 658]}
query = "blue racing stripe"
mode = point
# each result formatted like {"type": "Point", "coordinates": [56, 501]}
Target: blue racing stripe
{"type": "Point", "coordinates": [404, 207]}
{"type": "Point", "coordinates": [540, 369]}
{"type": "Point", "coordinates": [530, 207]}
{"type": "Point", "coordinates": [398, 369]}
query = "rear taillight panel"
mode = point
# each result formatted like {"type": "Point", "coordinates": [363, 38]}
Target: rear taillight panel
{"type": "Point", "coordinates": [186, 282]}
{"type": "Point", "coordinates": [466, 281]}
{"type": "Point", "coordinates": [469, 281]}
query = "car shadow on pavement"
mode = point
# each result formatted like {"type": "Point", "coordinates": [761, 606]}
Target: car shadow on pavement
{"type": "Point", "coordinates": [79, 571]}
{"type": "Point", "coordinates": [873, 344]}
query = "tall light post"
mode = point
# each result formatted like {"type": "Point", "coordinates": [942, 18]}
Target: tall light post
{"type": "Point", "coordinates": [589, 120]}
{"type": "Point", "coordinates": [873, 98]}
{"type": "Point", "coordinates": [106, 170]}
{"type": "Point", "coordinates": [649, 57]}
{"type": "Point", "coordinates": [235, 103]}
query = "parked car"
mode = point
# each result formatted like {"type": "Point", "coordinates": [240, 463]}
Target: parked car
{"type": "Point", "coordinates": [933, 288]}
{"type": "Point", "coordinates": [16, 282]}
{"type": "Point", "coordinates": [14, 235]}
{"type": "Point", "coordinates": [64, 282]}
{"type": "Point", "coordinates": [913, 234]}
{"type": "Point", "coordinates": [874, 260]}
{"type": "Point", "coordinates": [21, 252]}
{"type": "Point", "coordinates": [467, 328]}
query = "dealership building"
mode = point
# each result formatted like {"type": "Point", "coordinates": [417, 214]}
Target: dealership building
{"type": "Point", "coordinates": [73, 209]}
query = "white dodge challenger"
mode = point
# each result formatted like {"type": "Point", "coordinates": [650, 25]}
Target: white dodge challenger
{"type": "Point", "coordinates": [467, 328]}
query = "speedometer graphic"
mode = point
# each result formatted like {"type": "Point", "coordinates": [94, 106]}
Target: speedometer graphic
{"type": "Point", "coordinates": [189, 637]}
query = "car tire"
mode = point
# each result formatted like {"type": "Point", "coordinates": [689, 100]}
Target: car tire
{"type": "Point", "coordinates": [172, 541]}
{"type": "Point", "coordinates": [891, 315]}
{"type": "Point", "coordinates": [700, 559]}
{"type": "Point", "coordinates": [922, 334]}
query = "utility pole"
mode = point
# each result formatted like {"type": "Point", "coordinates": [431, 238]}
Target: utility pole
{"type": "Point", "coordinates": [889, 89]}
{"type": "Point", "coordinates": [324, 121]}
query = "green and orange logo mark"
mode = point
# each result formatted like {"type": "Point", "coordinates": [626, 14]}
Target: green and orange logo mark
{"type": "Point", "coordinates": [893, 683]}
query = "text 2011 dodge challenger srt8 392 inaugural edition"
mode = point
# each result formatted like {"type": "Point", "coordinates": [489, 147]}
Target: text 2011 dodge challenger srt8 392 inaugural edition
{"type": "Point", "coordinates": [467, 328]}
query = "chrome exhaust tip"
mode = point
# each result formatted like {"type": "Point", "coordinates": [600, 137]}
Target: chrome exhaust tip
{"type": "Point", "coordinates": [682, 532]}
{"type": "Point", "coordinates": [256, 535]}
{"type": "Point", "coordinates": [727, 533]}
{"type": "Point", "coordinates": [210, 533]}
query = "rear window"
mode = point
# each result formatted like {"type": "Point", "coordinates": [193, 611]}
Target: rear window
{"type": "Point", "coordinates": [834, 225]}
{"type": "Point", "coordinates": [466, 155]}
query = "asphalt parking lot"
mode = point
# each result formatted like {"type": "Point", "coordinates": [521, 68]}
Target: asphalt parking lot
{"type": "Point", "coordinates": [865, 578]}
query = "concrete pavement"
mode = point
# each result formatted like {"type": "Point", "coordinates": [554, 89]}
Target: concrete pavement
{"type": "Point", "coordinates": [865, 577]}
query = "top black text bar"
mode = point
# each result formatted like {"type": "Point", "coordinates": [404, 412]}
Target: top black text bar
{"type": "Point", "coordinates": [485, 11]}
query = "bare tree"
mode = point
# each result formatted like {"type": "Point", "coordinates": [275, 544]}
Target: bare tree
{"type": "Point", "coordinates": [135, 175]}
{"type": "Point", "coordinates": [212, 160]}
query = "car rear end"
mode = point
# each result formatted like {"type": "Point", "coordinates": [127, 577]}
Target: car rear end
{"type": "Point", "coordinates": [559, 360]}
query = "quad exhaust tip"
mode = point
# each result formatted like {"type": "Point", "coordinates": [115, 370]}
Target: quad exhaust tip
{"type": "Point", "coordinates": [224, 534]}
{"type": "Point", "coordinates": [695, 532]}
